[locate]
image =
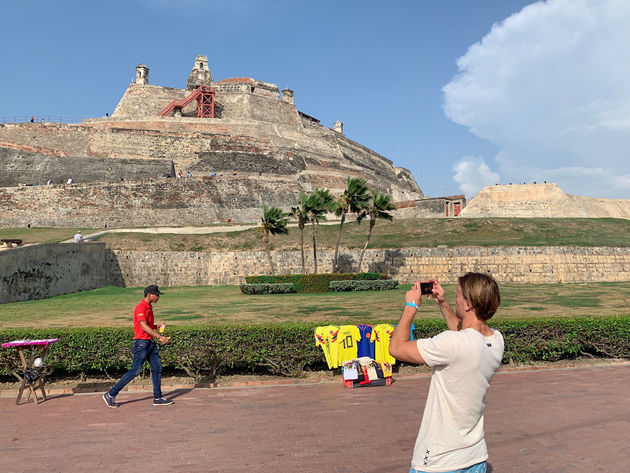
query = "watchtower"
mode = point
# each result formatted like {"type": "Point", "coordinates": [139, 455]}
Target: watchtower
{"type": "Point", "coordinates": [200, 74]}
{"type": "Point", "coordinates": [142, 74]}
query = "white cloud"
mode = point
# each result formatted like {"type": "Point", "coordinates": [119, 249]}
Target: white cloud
{"type": "Point", "coordinates": [548, 85]}
{"type": "Point", "coordinates": [472, 174]}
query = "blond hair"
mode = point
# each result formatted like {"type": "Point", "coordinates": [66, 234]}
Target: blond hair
{"type": "Point", "coordinates": [482, 293]}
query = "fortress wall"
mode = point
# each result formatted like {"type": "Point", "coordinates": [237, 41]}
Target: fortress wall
{"type": "Point", "coordinates": [35, 168]}
{"type": "Point", "coordinates": [55, 139]}
{"type": "Point", "coordinates": [144, 148]}
{"type": "Point", "coordinates": [145, 100]}
{"type": "Point", "coordinates": [159, 202]}
{"type": "Point", "coordinates": [42, 271]}
{"type": "Point", "coordinates": [254, 107]}
{"type": "Point", "coordinates": [519, 265]}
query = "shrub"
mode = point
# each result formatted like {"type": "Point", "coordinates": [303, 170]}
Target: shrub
{"type": "Point", "coordinates": [311, 283]}
{"type": "Point", "coordinates": [363, 285]}
{"type": "Point", "coordinates": [268, 288]}
{"type": "Point", "coordinates": [289, 349]}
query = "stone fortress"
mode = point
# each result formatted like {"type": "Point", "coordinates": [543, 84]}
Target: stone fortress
{"type": "Point", "coordinates": [244, 143]}
{"type": "Point", "coordinates": [250, 146]}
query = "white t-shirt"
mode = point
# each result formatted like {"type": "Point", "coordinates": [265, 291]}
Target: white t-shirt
{"type": "Point", "coordinates": [451, 433]}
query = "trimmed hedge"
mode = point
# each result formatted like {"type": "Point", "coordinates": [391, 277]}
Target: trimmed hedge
{"type": "Point", "coordinates": [311, 282]}
{"type": "Point", "coordinates": [273, 288]}
{"type": "Point", "coordinates": [289, 349]}
{"type": "Point", "coordinates": [363, 285]}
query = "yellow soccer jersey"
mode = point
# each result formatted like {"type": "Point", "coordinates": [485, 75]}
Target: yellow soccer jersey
{"type": "Point", "coordinates": [382, 333]}
{"type": "Point", "coordinates": [326, 337]}
{"type": "Point", "coordinates": [349, 336]}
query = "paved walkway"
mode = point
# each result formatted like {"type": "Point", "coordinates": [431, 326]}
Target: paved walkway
{"type": "Point", "coordinates": [548, 421]}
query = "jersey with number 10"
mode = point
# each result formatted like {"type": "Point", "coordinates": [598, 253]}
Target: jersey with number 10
{"type": "Point", "coordinates": [348, 338]}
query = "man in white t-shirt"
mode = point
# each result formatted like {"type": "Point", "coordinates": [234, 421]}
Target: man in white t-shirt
{"type": "Point", "coordinates": [464, 359]}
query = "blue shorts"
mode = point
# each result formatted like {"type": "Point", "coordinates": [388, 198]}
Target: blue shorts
{"type": "Point", "coordinates": [476, 468]}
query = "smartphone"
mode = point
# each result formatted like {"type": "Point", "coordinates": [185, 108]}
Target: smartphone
{"type": "Point", "coordinates": [426, 288]}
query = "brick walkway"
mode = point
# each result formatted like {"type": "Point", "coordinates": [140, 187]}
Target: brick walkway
{"type": "Point", "coordinates": [560, 420]}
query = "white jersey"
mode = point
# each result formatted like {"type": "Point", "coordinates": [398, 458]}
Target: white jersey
{"type": "Point", "coordinates": [451, 434]}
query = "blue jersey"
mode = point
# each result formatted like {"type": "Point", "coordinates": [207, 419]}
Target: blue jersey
{"type": "Point", "coordinates": [365, 346]}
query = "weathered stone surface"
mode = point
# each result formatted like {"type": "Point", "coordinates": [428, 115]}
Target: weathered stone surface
{"type": "Point", "coordinates": [541, 200]}
{"type": "Point", "coordinates": [256, 135]}
{"type": "Point", "coordinates": [42, 271]}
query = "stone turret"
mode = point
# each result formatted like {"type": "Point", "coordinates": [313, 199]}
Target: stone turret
{"type": "Point", "coordinates": [200, 74]}
{"type": "Point", "coordinates": [287, 95]}
{"type": "Point", "coordinates": [338, 127]}
{"type": "Point", "coordinates": [142, 74]}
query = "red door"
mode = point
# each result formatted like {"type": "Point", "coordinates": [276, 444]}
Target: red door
{"type": "Point", "coordinates": [457, 208]}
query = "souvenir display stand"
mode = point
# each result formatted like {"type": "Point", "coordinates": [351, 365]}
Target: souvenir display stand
{"type": "Point", "coordinates": [365, 372]}
{"type": "Point", "coordinates": [362, 352]}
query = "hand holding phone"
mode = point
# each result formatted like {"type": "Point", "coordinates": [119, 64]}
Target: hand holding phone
{"type": "Point", "coordinates": [426, 288]}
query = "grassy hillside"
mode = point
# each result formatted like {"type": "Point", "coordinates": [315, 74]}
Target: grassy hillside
{"type": "Point", "coordinates": [401, 233]}
{"type": "Point", "coordinates": [425, 232]}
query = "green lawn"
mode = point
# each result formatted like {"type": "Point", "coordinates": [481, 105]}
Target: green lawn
{"type": "Point", "coordinates": [113, 306]}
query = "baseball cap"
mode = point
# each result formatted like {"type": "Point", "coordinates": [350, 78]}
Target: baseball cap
{"type": "Point", "coordinates": [152, 290]}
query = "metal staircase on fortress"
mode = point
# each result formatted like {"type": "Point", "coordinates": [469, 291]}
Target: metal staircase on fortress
{"type": "Point", "coordinates": [205, 103]}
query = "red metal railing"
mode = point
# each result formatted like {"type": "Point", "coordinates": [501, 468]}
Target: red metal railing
{"type": "Point", "coordinates": [205, 103]}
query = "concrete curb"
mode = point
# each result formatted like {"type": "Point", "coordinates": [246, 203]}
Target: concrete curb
{"type": "Point", "coordinates": [147, 387]}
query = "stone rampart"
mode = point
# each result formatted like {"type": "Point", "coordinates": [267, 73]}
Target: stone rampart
{"type": "Point", "coordinates": [247, 101]}
{"type": "Point", "coordinates": [518, 264]}
{"type": "Point", "coordinates": [42, 271]}
{"type": "Point", "coordinates": [163, 201]}
{"type": "Point", "coordinates": [201, 146]}
{"type": "Point", "coordinates": [253, 163]}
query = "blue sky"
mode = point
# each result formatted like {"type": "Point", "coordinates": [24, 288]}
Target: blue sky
{"type": "Point", "coordinates": [462, 93]}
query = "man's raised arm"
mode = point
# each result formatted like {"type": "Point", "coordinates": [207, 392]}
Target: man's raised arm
{"type": "Point", "coordinates": [452, 322]}
{"type": "Point", "coordinates": [400, 345]}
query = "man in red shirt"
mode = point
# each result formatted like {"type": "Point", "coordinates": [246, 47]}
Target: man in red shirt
{"type": "Point", "coordinates": [144, 348]}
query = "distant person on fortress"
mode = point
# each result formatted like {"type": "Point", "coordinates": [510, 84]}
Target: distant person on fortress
{"type": "Point", "coordinates": [78, 237]}
{"type": "Point", "coordinates": [69, 181]}
{"type": "Point", "coordinates": [464, 359]}
{"type": "Point", "coordinates": [188, 174]}
{"type": "Point", "coordinates": [144, 348]}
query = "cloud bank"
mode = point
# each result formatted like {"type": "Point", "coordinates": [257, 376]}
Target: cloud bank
{"type": "Point", "coordinates": [549, 86]}
{"type": "Point", "coordinates": [472, 174]}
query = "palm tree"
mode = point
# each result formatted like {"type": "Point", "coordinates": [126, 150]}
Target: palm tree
{"type": "Point", "coordinates": [353, 199]}
{"type": "Point", "coordinates": [378, 207]}
{"type": "Point", "coordinates": [319, 203]}
{"type": "Point", "coordinates": [301, 214]}
{"type": "Point", "coordinates": [274, 222]}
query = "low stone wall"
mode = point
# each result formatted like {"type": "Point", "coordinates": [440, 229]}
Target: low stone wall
{"type": "Point", "coordinates": [42, 271]}
{"type": "Point", "coordinates": [518, 264]}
